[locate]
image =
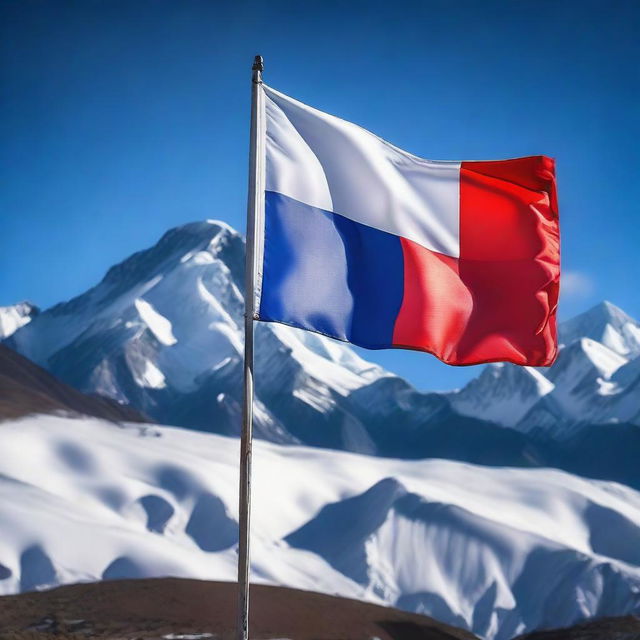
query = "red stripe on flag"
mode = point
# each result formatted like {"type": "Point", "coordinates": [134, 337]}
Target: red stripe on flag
{"type": "Point", "coordinates": [436, 304]}
{"type": "Point", "coordinates": [498, 301]}
{"type": "Point", "coordinates": [510, 259]}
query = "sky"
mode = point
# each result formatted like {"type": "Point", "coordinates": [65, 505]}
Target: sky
{"type": "Point", "coordinates": [121, 119]}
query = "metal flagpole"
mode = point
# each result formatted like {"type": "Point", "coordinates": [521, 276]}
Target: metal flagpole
{"type": "Point", "coordinates": [255, 200]}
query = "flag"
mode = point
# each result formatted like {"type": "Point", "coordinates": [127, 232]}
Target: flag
{"type": "Point", "coordinates": [366, 243]}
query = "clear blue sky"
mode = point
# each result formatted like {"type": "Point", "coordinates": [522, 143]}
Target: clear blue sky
{"type": "Point", "coordinates": [121, 119]}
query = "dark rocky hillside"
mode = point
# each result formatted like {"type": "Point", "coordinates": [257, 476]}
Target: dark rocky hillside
{"type": "Point", "coordinates": [26, 388]}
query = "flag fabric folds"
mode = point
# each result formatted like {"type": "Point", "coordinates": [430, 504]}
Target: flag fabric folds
{"type": "Point", "coordinates": [369, 244]}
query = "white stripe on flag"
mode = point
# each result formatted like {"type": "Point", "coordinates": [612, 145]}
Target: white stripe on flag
{"type": "Point", "coordinates": [338, 166]}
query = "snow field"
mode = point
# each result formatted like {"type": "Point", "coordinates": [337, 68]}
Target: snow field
{"type": "Point", "coordinates": [496, 550]}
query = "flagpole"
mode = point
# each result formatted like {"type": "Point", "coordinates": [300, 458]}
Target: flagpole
{"type": "Point", "coordinates": [255, 198]}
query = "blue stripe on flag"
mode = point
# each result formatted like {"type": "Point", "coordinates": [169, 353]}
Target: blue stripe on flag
{"type": "Point", "coordinates": [326, 273]}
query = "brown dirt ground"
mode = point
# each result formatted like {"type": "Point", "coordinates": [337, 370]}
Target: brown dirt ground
{"type": "Point", "coordinates": [153, 608]}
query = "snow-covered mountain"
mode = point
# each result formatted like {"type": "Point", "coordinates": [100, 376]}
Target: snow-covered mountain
{"type": "Point", "coordinates": [163, 332]}
{"type": "Point", "coordinates": [497, 551]}
{"type": "Point", "coordinates": [595, 380]}
{"type": "Point", "coordinates": [468, 544]}
{"type": "Point", "coordinates": [15, 316]}
{"type": "Point", "coordinates": [502, 393]}
{"type": "Point", "coordinates": [607, 324]}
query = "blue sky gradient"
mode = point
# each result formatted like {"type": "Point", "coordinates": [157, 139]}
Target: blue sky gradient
{"type": "Point", "coordinates": [121, 119]}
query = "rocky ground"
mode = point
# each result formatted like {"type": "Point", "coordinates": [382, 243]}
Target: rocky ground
{"type": "Point", "coordinates": [26, 388]}
{"type": "Point", "coordinates": [178, 609]}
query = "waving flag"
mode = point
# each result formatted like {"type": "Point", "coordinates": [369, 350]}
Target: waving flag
{"type": "Point", "coordinates": [369, 244]}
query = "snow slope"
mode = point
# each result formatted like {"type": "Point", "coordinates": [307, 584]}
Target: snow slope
{"type": "Point", "coordinates": [498, 551]}
{"type": "Point", "coordinates": [15, 316]}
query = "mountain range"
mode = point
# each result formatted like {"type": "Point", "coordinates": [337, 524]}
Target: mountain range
{"type": "Point", "coordinates": [162, 332]}
{"type": "Point", "coordinates": [488, 537]}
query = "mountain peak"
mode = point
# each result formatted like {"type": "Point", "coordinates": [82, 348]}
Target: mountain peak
{"type": "Point", "coordinates": [192, 236]}
{"type": "Point", "coordinates": [604, 312]}
{"type": "Point", "coordinates": [198, 231]}
{"type": "Point", "coordinates": [605, 323]}
{"type": "Point", "coordinates": [176, 246]}
{"type": "Point", "coordinates": [608, 311]}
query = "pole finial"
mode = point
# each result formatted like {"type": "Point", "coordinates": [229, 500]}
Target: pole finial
{"type": "Point", "coordinates": [258, 64]}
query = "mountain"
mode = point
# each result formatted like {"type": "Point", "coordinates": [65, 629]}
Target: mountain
{"type": "Point", "coordinates": [16, 316]}
{"type": "Point", "coordinates": [503, 393]}
{"type": "Point", "coordinates": [607, 324]}
{"type": "Point", "coordinates": [26, 389]}
{"type": "Point", "coordinates": [595, 380]}
{"type": "Point", "coordinates": [498, 551]}
{"type": "Point", "coordinates": [468, 536]}
{"type": "Point", "coordinates": [163, 332]}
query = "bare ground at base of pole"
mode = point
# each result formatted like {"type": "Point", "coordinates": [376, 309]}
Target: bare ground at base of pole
{"type": "Point", "coordinates": [179, 609]}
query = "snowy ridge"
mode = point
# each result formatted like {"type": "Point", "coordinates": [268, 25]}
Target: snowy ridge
{"type": "Point", "coordinates": [502, 393]}
{"type": "Point", "coordinates": [466, 544]}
